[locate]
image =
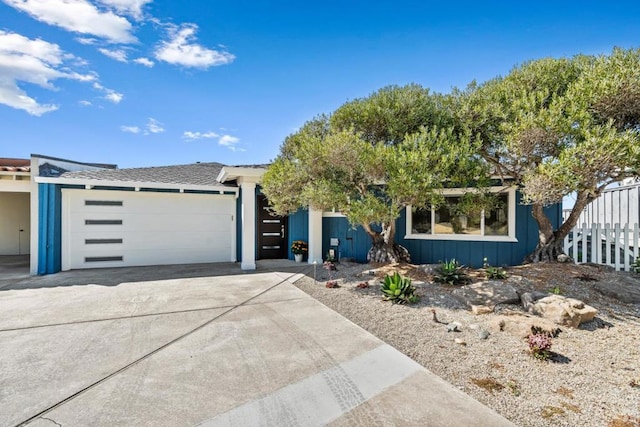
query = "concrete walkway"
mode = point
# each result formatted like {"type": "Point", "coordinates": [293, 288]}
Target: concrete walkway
{"type": "Point", "coordinates": [220, 350]}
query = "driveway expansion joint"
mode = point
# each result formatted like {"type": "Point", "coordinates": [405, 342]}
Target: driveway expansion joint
{"type": "Point", "coordinates": [106, 319]}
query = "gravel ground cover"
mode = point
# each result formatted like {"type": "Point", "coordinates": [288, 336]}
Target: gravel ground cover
{"type": "Point", "coordinates": [592, 378]}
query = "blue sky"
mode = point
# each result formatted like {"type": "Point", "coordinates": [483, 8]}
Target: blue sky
{"type": "Point", "coordinates": [160, 82]}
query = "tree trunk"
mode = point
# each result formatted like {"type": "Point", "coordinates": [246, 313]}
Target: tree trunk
{"type": "Point", "coordinates": [383, 248]}
{"type": "Point", "coordinates": [550, 241]}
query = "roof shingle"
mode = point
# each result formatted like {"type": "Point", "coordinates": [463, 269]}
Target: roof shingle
{"type": "Point", "coordinates": [193, 174]}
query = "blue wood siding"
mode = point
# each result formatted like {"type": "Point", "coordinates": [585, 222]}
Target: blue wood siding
{"type": "Point", "coordinates": [239, 226]}
{"type": "Point", "coordinates": [49, 228]}
{"type": "Point", "coordinates": [355, 243]}
{"type": "Point", "coordinates": [472, 253]}
{"type": "Point", "coordinates": [298, 228]}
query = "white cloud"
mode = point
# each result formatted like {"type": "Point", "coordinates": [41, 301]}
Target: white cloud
{"type": "Point", "coordinates": [87, 40]}
{"type": "Point", "coordinates": [231, 142]}
{"type": "Point", "coordinates": [128, 7]}
{"type": "Point", "coordinates": [154, 126]}
{"type": "Point", "coordinates": [113, 96]}
{"type": "Point", "coordinates": [84, 103]}
{"type": "Point", "coordinates": [130, 129]}
{"type": "Point", "coordinates": [192, 136]}
{"type": "Point", "coordinates": [109, 94]}
{"type": "Point", "coordinates": [78, 16]}
{"type": "Point", "coordinates": [180, 49]}
{"type": "Point", "coordinates": [117, 54]}
{"type": "Point", "coordinates": [228, 140]}
{"type": "Point", "coordinates": [32, 61]}
{"type": "Point", "coordinates": [144, 61]}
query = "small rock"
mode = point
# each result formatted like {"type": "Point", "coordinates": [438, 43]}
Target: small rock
{"type": "Point", "coordinates": [482, 309]}
{"type": "Point", "coordinates": [459, 341]}
{"type": "Point", "coordinates": [454, 327]}
{"type": "Point", "coordinates": [474, 326]}
{"type": "Point", "coordinates": [529, 298]}
{"type": "Point", "coordinates": [564, 258]}
{"type": "Point", "coordinates": [428, 268]}
{"type": "Point", "coordinates": [483, 334]}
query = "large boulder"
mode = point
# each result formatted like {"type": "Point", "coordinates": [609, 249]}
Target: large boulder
{"type": "Point", "coordinates": [624, 288]}
{"type": "Point", "coordinates": [521, 325]}
{"type": "Point", "coordinates": [482, 297]}
{"type": "Point", "coordinates": [563, 311]}
{"type": "Point", "coordinates": [528, 299]}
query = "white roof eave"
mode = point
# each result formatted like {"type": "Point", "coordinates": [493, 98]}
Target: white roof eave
{"type": "Point", "coordinates": [90, 183]}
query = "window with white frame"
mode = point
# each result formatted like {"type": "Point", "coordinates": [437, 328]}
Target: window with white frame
{"type": "Point", "coordinates": [448, 222]}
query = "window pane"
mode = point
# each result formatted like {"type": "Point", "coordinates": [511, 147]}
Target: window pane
{"type": "Point", "coordinates": [449, 220]}
{"type": "Point", "coordinates": [496, 222]}
{"type": "Point", "coordinates": [421, 221]}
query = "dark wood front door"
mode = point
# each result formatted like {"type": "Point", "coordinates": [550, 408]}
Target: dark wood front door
{"type": "Point", "coordinates": [272, 232]}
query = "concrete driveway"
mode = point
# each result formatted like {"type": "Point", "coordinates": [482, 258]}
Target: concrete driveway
{"type": "Point", "coordinates": [94, 348]}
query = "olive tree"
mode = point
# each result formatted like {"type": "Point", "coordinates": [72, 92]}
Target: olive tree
{"type": "Point", "coordinates": [372, 158]}
{"type": "Point", "coordinates": [559, 127]}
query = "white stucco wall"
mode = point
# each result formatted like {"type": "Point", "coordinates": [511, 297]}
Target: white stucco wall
{"type": "Point", "coordinates": [14, 216]}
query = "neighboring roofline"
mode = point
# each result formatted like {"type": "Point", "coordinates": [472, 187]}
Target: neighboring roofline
{"type": "Point", "coordinates": [96, 165]}
{"type": "Point", "coordinates": [15, 159]}
{"type": "Point", "coordinates": [231, 173]}
{"type": "Point", "coordinates": [135, 184]}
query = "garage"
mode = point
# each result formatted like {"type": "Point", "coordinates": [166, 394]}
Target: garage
{"type": "Point", "coordinates": [111, 228]}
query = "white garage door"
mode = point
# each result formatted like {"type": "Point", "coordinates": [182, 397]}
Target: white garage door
{"type": "Point", "coordinates": [125, 228]}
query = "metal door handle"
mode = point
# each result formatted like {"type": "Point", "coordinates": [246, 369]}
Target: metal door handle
{"type": "Point", "coordinates": [282, 231]}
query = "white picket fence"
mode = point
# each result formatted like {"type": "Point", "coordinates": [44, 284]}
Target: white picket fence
{"type": "Point", "coordinates": [616, 246]}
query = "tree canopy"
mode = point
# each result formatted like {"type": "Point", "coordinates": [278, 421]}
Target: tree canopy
{"type": "Point", "coordinates": [558, 127]}
{"type": "Point", "coordinates": [555, 127]}
{"type": "Point", "coordinates": [370, 159]}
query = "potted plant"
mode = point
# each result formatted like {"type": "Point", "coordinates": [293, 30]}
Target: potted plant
{"type": "Point", "coordinates": [299, 248]}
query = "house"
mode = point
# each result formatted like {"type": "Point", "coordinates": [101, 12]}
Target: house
{"type": "Point", "coordinates": [15, 190]}
{"type": "Point", "coordinates": [91, 215]}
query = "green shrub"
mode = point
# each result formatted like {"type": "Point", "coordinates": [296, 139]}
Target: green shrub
{"type": "Point", "coordinates": [398, 289]}
{"type": "Point", "coordinates": [493, 273]}
{"type": "Point", "coordinates": [635, 267]}
{"type": "Point", "coordinates": [451, 272]}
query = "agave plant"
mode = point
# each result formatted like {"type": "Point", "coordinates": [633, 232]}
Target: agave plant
{"type": "Point", "coordinates": [451, 272]}
{"type": "Point", "coordinates": [398, 289]}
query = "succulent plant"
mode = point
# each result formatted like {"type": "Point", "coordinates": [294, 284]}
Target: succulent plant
{"type": "Point", "coordinates": [398, 289]}
{"type": "Point", "coordinates": [493, 273]}
{"type": "Point", "coordinates": [540, 345]}
{"type": "Point", "coordinates": [451, 272]}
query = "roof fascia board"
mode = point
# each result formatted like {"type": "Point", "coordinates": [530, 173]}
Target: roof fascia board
{"type": "Point", "coordinates": [134, 184]}
{"type": "Point", "coordinates": [231, 173]}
